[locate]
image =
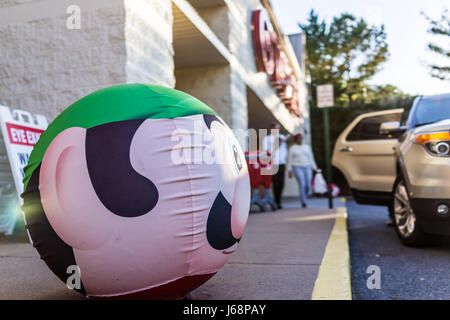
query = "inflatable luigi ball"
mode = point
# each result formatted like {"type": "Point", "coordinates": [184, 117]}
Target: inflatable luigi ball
{"type": "Point", "coordinates": [143, 188]}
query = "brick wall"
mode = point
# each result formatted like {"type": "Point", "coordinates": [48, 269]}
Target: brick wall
{"type": "Point", "coordinates": [45, 67]}
{"type": "Point", "coordinates": [148, 38]}
{"type": "Point", "coordinates": [211, 85]}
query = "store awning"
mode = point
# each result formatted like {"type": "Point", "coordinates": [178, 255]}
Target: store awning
{"type": "Point", "coordinates": [195, 44]}
{"type": "Point", "coordinates": [203, 4]}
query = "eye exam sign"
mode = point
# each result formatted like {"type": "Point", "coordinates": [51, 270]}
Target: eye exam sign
{"type": "Point", "coordinates": [20, 131]}
{"type": "Point", "coordinates": [24, 136]}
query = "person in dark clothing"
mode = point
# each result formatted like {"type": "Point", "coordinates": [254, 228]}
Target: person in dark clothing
{"type": "Point", "coordinates": [279, 155]}
{"type": "Point", "coordinates": [278, 184]}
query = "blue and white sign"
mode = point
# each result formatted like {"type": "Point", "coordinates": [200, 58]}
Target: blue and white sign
{"type": "Point", "coordinates": [20, 130]}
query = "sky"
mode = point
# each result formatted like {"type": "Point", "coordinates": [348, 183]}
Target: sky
{"type": "Point", "coordinates": [406, 31]}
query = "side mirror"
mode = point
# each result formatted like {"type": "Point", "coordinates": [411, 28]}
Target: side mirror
{"type": "Point", "coordinates": [392, 127]}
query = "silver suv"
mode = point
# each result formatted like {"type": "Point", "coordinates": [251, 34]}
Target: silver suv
{"type": "Point", "coordinates": [405, 167]}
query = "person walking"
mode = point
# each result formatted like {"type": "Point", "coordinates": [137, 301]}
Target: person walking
{"type": "Point", "coordinates": [301, 164]}
{"type": "Point", "coordinates": [279, 153]}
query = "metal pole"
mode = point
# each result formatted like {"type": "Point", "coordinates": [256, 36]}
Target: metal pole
{"type": "Point", "coordinates": [326, 126]}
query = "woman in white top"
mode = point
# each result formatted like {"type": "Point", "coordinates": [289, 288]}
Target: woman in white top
{"type": "Point", "coordinates": [300, 164]}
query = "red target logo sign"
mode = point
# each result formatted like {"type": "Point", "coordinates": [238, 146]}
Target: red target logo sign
{"type": "Point", "coordinates": [271, 59]}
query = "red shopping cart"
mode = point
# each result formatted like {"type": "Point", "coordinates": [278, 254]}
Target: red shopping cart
{"type": "Point", "coordinates": [260, 170]}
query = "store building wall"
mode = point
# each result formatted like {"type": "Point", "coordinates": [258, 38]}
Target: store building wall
{"type": "Point", "coordinates": [220, 86]}
{"type": "Point", "coordinates": [210, 84]}
{"type": "Point", "coordinates": [148, 40]}
{"type": "Point", "coordinates": [231, 23]}
{"type": "Point", "coordinates": [45, 66]}
{"type": "Point", "coordinates": [218, 19]}
{"type": "Point", "coordinates": [241, 46]}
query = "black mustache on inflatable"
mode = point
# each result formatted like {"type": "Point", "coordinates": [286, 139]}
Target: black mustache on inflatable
{"type": "Point", "coordinates": [218, 226]}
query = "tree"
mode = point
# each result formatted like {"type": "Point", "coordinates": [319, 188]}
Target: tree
{"type": "Point", "coordinates": [384, 96]}
{"type": "Point", "coordinates": [345, 53]}
{"type": "Point", "coordinates": [441, 29]}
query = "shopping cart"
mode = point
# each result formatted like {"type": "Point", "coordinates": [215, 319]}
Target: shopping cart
{"type": "Point", "coordinates": [260, 170]}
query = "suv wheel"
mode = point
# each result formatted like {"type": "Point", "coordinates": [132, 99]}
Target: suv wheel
{"type": "Point", "coordinates": [407, 226]}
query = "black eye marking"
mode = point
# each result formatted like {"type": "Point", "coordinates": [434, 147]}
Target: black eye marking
{"type": "Point", "coordinates": [209, 118]}
{"type": "Point", "coordinates": [218, 226]}
{"type": "Point", "coordinates": [119, 187]}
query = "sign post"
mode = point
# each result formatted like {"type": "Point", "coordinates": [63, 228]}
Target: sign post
{"type": "Point", "coordinates": [20, 131]}
{"type": "Point", "coordinates": [325, 100]}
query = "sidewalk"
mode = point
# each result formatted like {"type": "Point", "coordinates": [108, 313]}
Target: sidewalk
{"type": "Point", "coordinates": [278, 258]}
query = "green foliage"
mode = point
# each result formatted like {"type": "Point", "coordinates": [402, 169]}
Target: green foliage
{"type": "Point", "coordinates": [344, 53]}
{"type": "Point", "coordinates": [441, 29]}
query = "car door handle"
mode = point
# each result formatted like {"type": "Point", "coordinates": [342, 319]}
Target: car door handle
{"type": "Point", "coordinates": [346, 149]}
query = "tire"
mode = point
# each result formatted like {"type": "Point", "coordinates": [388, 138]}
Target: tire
{"type": "Point", "coordinates": [407, 226]}
{"type": "Point", "coordinates": [391, 210]}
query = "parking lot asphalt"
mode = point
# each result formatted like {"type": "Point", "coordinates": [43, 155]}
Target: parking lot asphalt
{"type": "Point", "coordinates": [278, 258]}
{"type": "Point", "coordinates": [406, 273]}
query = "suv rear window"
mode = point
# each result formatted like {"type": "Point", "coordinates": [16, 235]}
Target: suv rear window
{"type": "Point", "coordinates": [369, 128]}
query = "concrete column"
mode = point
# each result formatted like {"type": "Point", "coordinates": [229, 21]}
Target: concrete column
{"type": "Point", "coordinates": [239, 108]}
{"type": "Point", "coordinates": [211, 85]}
{"type": "Point", "coordinates": [148, 39]}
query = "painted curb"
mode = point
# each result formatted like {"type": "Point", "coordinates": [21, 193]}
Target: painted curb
{"type": "Point", "coordinates": [333, 279]}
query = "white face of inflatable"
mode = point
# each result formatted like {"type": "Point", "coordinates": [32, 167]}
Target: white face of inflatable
{"type": "Point", "coordinates": [199, 213]}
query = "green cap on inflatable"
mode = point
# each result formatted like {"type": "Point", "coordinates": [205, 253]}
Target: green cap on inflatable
{"type": "Point", "coordinates": [122, 102]}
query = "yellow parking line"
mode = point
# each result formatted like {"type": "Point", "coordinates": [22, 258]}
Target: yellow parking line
{"type": "Point", "coordinates": [333, 280]}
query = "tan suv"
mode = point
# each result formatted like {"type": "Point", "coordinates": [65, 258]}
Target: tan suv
{"type": "Point", "coordinates": [404, 167]}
